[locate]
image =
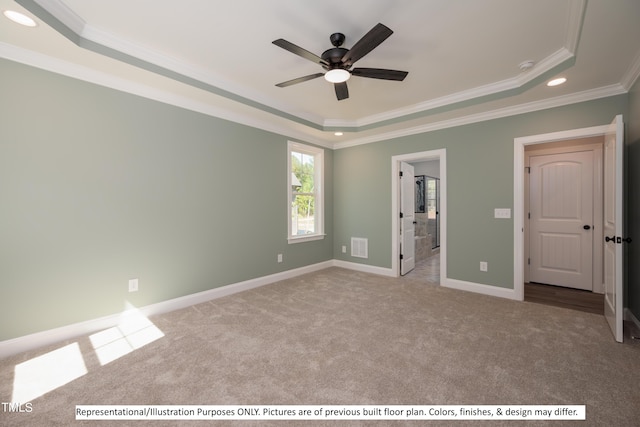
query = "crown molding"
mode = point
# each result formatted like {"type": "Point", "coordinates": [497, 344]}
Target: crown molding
{"type": "Point", "coordinates": [90, 75]}
{"type": "Point", "coordinates": [589, 95]}
{"type": "Point", "coordinates": [577, 11]}
{"type": "Point", "coordinates": [211, 82]}
{"type": "Point", "coordinates": [62, 13]}
{"type": "Point", "coordinates": [58, 66]}
{"type": "Point", "coordinates": [631, 76]}
{"type": "Point", "coordinates": [64, 20]}
{"type": "Point", "coordinates": [552, 61]}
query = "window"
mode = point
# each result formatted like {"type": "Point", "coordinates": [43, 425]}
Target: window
{"type": "Point", "coordinates": [306, 199]}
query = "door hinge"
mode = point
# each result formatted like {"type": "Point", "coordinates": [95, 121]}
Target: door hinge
{"type": "Point", "coordinates": [529, 215]}
{"type": "Point", "coordinates": [528, 261]}
{"type": "Point", "coordinates": [528, 169]}
{"type": "Point", "coordinates": [401, 215]}
{"type": "Point", "coordinates": [401, 256]}
{"type": "Point", "coordinates": [400, 174]}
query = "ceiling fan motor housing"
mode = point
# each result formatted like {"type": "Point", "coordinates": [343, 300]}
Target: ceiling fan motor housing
{"type": "Point", "coordinates": [334, 57]}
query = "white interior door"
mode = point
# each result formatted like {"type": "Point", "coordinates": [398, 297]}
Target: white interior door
{"type": "Point", "coordinates": [407, 218]}
{"type": "Point", "coordinates": [613, 227]}
{"type": "Point", "coordinates": [561, 225]}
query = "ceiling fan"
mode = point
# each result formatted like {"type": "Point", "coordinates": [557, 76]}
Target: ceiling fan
{"type": "Point", "coordinates": [338, 60]}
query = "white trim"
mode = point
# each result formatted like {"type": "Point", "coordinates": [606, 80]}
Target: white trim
{"type": "Point", "coordinates": [304, 238]}
{"type": "Point", "coordinates": [512, 83]}
{"type": "Point", "coordinates": [86, 74]}
{"type": "Point", "coordinates": [518, 191]}
{"type": "Point", "coordinates": [52, 336]}
{"type": "Point", "coordinates": [480, 288]}
{"type": "Point", "coordinates": [441, 155]}
{"type": "Point", "coordinates": [76, 71]}
{"type": "Point", "coordinates": [319, 178]}
{"type": "Point", "coordinates": [85, 31]}
{"type": "Point", "coordinates": [64, 14]}
{"type": "Point", "coordinates": [577, 10]}
{"type": "Point", "coordinates": [559, 101]}
{"type": "Point", "coordinates": [632, 73]}
{"type": "Point", "coordinates": [364, 268]}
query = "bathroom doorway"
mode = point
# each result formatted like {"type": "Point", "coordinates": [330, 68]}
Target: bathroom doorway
{"type": "Point", "coordinates": [429, 213]}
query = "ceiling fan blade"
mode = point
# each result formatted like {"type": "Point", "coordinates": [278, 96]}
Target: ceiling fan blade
{"type": "Point", "coordinates": [342, 91]}
{"type": "Point", "coordinates": [299, 51]}
{"type": "Point", "coordinates": [379, 73]}
{"type": "Point", "coordinates": [366, 44]}
{"type": "Point", "coordinates": [300, 80]}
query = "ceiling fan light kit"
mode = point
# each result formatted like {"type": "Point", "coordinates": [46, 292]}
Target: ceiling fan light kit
{"type": "Point", "coordinates": [337, 75]}
{"type": "Point", "coordinates": [338, 61]}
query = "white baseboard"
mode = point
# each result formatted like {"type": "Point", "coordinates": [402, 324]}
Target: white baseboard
{"type": "Point", "coordinates": [363, 268]}
{"type": "Point", "coordinates": [628, 315]}
{"type": "Point", "coordinates": [479, 288]}
{"type": "Point", "coordinates": [52, 336]}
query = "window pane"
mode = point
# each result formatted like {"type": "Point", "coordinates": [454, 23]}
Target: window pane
{"type": "Point", "coordinates": [302, 215]}
{"type": "Point", "coordinates": [302, 167]}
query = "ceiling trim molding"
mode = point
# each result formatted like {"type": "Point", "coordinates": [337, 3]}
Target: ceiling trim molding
{"type": "Point", "coordinates": [529, 107]}
{"type": "Point", "coordinates": [577, 12]}
{"type": "Point", "coordinates": [67, 24]}
{"type": "Point", "coordinates": [90, 75]}
{"type": "Point", "coordinates": [62, 13]}
{"type": "Point", "coordinates": [231, 90]}
{"type": "Point", "coordinates": [633, 73]}
{"type": "Point", "coordinates": [557, 59]}
{"type": "Point", "coordinates": [64, 20]}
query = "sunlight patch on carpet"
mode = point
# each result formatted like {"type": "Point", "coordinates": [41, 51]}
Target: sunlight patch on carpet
{"type": "Point", "coordinates": [134, 330]}
{"type": "Point", "coordinates": [45, 373]}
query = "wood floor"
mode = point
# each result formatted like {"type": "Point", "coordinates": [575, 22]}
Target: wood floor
{"type": "Point", "coordinates": [574, 299]}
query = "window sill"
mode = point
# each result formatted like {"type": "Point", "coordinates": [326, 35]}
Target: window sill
{"type": "Point", "coordinates": [306, 238]}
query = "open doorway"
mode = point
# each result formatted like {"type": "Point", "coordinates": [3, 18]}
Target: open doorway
{"type": "Point", "coordinates": [428, 214]}
{"type": "Point", "coordinates": [612, 224]}
{"type": "Point", "coordinates": [563, 224]}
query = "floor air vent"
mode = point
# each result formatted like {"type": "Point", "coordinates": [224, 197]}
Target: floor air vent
{"type": "Point", "coordinates": [359, 247]}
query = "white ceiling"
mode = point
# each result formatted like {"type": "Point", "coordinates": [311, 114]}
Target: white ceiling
{"type": "Point", "coordinates": [216, 57]}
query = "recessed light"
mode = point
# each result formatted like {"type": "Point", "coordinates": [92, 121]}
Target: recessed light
{"type": "Point", "coordinates": [338, 133]}
{"type": "Point", "coordinates": [556, 82]}
{"type": "Point", "coordinates": [19, 18]}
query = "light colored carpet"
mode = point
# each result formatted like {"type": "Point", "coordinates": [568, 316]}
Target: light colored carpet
{"type": "Point", "coordinates": [343, 337]}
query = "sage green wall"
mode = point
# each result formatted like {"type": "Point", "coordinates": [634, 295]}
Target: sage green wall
{"type": "Point", "coordinates": [98, 186]}
{"type": "Point", "coordinates": [479, 179]}
{"type": "Point", "coordinates": [633, 200]}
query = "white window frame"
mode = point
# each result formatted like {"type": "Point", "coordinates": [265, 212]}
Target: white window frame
{"type": "Point", "coordinates": [318, 169]}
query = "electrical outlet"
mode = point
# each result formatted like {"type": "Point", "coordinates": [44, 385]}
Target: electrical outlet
{"type": "Point", "coordinates": [279, 257]}
{"type": "Point", "coordinates": [344, 249]}
{"type": "Point", "coordinates": [133, 285]}
{"type": "Point", "coordinates": [484, 266]}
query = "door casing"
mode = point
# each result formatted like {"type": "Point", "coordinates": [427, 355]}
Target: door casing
{"type": "Point", "coordinates": [422, 156]}
{"type": "Point", "coordinates": [519, 192]}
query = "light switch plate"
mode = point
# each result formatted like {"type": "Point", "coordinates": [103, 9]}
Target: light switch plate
{"type": "Point", "coordinates": [502, 213]}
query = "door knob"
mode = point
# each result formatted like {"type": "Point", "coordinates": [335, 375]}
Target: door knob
{"type": "Point", "coordinates": [587, 227]}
